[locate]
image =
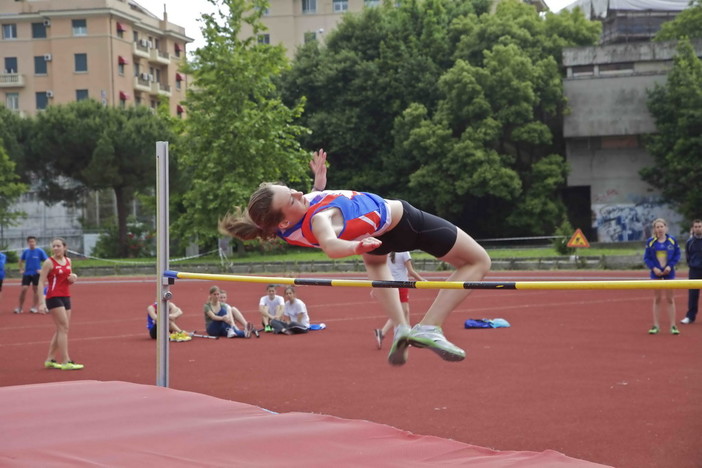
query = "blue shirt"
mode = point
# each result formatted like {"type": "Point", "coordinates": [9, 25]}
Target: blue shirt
{"type": "Point", "coordinates": [662, 254]}
{"type": "Point", "coordinates": [33, 259]}
{"type": "Point", "coordinates": [3, 259]}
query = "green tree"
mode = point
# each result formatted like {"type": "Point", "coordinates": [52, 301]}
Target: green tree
{"type": "Point", "coordinates": [14, 131]}
{"type": "Point", "coordinates": [238, 132]}
{"type": "Point", "coordinates": [687, 24]}
{"type": "Point", "coordinates": [676, 107]}
{"type": "Point", "coordinates": [473, 102]}
{"type": "Point", "coordinates": [10, 191]}
{"type": "Point", "coordinates": [85, 146]}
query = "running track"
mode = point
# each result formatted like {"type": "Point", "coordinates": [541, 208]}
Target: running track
{"type": "Point", "coordinates": [575, 373]}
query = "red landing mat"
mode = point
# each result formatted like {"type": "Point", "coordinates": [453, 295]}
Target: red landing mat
{"type": "Point", "coordinates": [124, 424]}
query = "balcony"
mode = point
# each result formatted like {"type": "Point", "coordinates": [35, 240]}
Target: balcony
{"type": "Point", "coordinates": [159, 57]}
{"type": "Point", "coordinates": [160, 88]}
{"type": "Point", "coordinates": [141, 84]}
{"type": "Point", "coordinates": [140, 48]}
{"type": "Point", "coordinates": [11, 80]}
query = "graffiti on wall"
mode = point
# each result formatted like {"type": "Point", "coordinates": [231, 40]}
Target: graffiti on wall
{"type": "Point", "coordinates": [623, 222]}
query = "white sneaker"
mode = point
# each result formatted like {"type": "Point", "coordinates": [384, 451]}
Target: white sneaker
{"type": "Point", "coordinates": [231, 333]}
{"type": "Point", "coordinates": [17, 311]}
{"type": "Point", "coordinates": [34, 310]}
{"type": "Point", "coordinates": [686, 320]}
{"type": "Point", "coordinates": [400, 345]}
{"type": "Point", "coordinates": [427, 336]}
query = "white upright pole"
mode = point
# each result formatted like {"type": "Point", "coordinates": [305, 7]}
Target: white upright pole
{"type": "Point", "coordinates": [162, 255]}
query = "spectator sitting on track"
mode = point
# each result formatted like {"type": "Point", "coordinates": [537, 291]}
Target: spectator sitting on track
{"type": "Point", "coordinates": [271, 308]}
{"type": "Point", "coordinates": [295, 317]}
{"type": "Point", "coordinates": [219, 320]}
{"type": "Point", "coordinates": [174, 313]}
{"type": "Point", "coordinates": [237, 315]}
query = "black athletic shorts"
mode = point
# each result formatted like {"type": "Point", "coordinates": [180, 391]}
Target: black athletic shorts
{"type": "Point", "coordinates": [1, 284]}
{"type": "Point", "coordinates": [30, 279]}
{"type": "Point", "coordinates": [56, 302]}
{"type": "Point", "coordinates": [418, 230]}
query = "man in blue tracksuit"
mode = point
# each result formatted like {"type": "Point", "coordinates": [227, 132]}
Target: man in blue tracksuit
{"type": "Point", "coordinates": [693, 253]}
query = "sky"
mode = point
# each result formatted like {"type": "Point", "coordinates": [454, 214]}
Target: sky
{"type": "Point", "coordinates": [187, 16]}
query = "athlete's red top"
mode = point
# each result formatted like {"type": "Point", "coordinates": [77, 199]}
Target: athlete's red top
{"type": "Point", "coordinates": [57, 279]}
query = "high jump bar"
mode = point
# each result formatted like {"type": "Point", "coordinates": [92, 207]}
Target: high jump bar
{"type": "Point", "coordinates": [521, 285]}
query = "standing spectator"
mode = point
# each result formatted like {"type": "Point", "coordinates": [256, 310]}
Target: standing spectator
{"type": "Point", "coordinates": [57, 276]}
{"type": "Point", "coordinates": [295, 317]}
{"type": "Point", "coordinates": [30, 264]}
{"type": "Point", "coordinates": [271, 308]}
{"type": "Point", "coordinates": [693, 253]}
{"type": "Point", "coordinates": [661, 255]}
{"type": "Point", "coordinates": [3, 259]}
{"type": "Point", "coordinates": [174, 313]}
{"type": "Point", "coordinates": [218, 318]}
{"type": "Point", "coordinates": [400, 264]}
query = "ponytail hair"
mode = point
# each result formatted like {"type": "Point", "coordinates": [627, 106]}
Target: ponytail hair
{"type": "Point", "coordinates": [258, 220]}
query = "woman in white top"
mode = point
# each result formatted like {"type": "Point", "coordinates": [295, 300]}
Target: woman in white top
{"type": "Point", "coordinates": [295, 312]}
{"type": "Point", "coordinates": [400, 264]}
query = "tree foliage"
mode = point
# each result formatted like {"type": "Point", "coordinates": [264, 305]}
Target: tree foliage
{"type": "Point", "coordinates": [447, 105]}
{"type": "Point", "coordinates": [238, 133]}
{"type": "Point", "coordinates": [676, 107]}
{"type": "Point", "coordinates": [687, 24]}
{"type": "Point", "coordinates": [10, 189]}
{"type": "Point", "coordinates": [87, 146]}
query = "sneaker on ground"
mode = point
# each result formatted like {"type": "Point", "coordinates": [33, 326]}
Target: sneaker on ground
{"type": "Point", "coordinates": [52, 364]}
{"type": "Point", "coordinates": [674, 330]}
{"type": "Point", "coordinates": [653, 331]}
{"type": "Point", "coordinates": [268, 329]}
{"type": "Point", "coordinates": [173, 337]}
{"type": "Point", "coordinates": [231, 333]}
{"type": "Point", "coordinates": [17, 310]}
{"type": "Point", "coordinates": [34, 310]}
{"type": "Point", "coordinates": [184, 336]}
{"type": "Point", "coordinates": [256, 332]}
{"type": "Point", "coordinates": [379, 337]}
{"type": "Point", "coordinates": [400, 345]}
{"type": "Point", "coordinates": [70, 365]}
{"type": "Point", "coordinates": [427, 336]}
{"type": "Point", "coordinates": [248, 330]}
{"type": "Point", "coordinates": [686, 320]}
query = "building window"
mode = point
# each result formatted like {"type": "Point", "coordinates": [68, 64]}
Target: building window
{"type": "Point", "coordinates": [40, 65]}
{"type": "Point", "coordinates": [12, 101]}
{"type": "Point", "coordinates": [11, 65]}
{"type": "Point", "coordinates": [38, 30]}
{"type": "Point", "coordinates": [81, 94]}
{"type": "Point", "coordinates": [179, 79]}
{"type": "Point", "coordinates": [121, 62]}
{"type": "Point", "coordinates": [341, 5]}
{"type": "Point", "coordinates": [309, 6]}
{"type": "Point", "coordinates": [180, 111]}
{"type": "Point", "coordinates": [372, 3]}
{"type": "Point", "coordinates": [177, 47]}
{"type": "Point", "coordinates": [121, 30]}
{"type": "Point", "coordinates": [123, 99]}
{"type": "Point", "coordinates": [310, 36]}
{"type": "Point", "coordinates": [81, 62]}
{"type": "Point", "coordinates": [42, 100]}
{"type": "Point", "coordinates": [264, 38]}
{"type": "Point", "coordinates": [9, 31]}
{"type": "Point", "coordinates": [80, 27]}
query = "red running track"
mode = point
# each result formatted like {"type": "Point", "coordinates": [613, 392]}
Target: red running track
{"type": "Point", "coordinates": [576, 373]}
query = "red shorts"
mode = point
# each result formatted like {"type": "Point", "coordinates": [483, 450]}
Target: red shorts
{"type": "Point", "coordinates": [404, 294]}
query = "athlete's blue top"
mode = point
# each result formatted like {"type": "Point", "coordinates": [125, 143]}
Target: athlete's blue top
{"type": "Point", "coordinates": [33, 259]}
{"type": "Point", "coordinates": [662, 254]}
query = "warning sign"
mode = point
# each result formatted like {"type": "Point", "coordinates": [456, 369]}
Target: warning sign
{"type": "Point", "coordinates": [578, 240]}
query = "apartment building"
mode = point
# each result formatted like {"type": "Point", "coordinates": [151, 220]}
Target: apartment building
{"type": "Point", "coordinates": [114, 51]}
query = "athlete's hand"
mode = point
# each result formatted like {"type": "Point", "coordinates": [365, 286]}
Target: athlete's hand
{"type": "Point", "coordinates": [72, 278]}
{"type": "Point", "coordinates": [318, 164]}
{"type": "Point", "coordinates": [366, 245]}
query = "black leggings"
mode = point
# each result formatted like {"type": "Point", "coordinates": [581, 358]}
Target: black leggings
{"type": "Point", "coordinates": [418, 230]}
